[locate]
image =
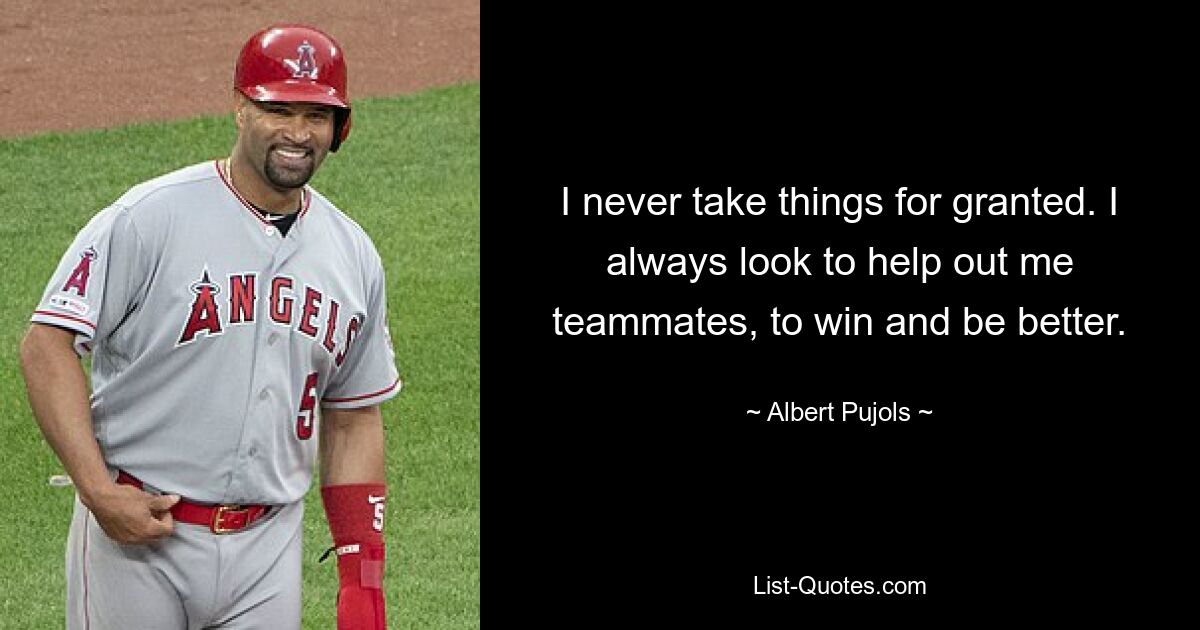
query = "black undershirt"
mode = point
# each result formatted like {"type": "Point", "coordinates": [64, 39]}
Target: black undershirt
{"type": "Point", "coordinates": [282, 222]}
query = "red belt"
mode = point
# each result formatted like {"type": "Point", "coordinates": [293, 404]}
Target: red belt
{"type": "Point", "coordinates": [221, 519]}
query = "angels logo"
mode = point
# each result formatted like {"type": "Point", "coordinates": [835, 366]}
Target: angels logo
{"type": "Point", "coordinates": [306, 64]}
{"type": "Point", "coordinates": [304, 308]}
{"type": "Point", "coordinates": [79, 278]}
{"type": "Point", "coordinates": [204, 316]}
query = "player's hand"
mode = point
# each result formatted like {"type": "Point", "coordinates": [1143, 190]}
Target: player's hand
{"type": "Point", "coordinates": [133, 517]}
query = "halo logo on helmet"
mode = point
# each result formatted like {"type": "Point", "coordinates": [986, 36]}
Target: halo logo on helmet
{"type": "Point", "coordinates": [306, 64]}
{"type": "Point", "coordinates": [294, 63]}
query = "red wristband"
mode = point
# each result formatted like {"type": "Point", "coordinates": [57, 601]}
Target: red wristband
{"type": "Point", "coordinates": [355, 514]}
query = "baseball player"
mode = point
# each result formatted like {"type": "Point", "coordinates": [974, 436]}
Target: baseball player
{"type": "Point", "coordinates": [236, 320]}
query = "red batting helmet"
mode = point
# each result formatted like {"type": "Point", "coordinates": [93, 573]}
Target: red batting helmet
{"type": "Point", "coordinates": [295, 63]}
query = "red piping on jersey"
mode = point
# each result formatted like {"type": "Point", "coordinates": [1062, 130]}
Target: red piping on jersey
{"type": "Point", "coordinates": [74, 319]}
{"type": "Point", "coordinates": [307, 198]}
{"type": "Point", "coordinates": [371, 395]}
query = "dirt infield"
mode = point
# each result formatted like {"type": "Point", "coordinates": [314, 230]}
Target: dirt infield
{"type": "Point", "coordinates": [81, 64]}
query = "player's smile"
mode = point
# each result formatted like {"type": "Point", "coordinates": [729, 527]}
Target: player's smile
{"type": "Point", "coordinates": [292, 158]}
{"type": "Point", "coordinates": [290, 161]}
{"type": "Point", "coordinates": [295, 155]}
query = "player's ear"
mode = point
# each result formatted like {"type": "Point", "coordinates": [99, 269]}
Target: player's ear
{"type": "Point", "coordinates": [240, 103]}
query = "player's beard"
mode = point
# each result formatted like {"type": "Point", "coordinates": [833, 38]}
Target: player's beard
{"type": "Point", "coordinates": [286, 177]}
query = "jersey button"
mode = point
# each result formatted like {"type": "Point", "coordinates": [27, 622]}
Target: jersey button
{"type": "Point", "coordinates": [272, 338]}
{"type": "Point", "coordinates": [263, 394]}
{"type": "Point", "coordinates": [253, 451]}
{"type": "Point", "coordinates": [269, 230]}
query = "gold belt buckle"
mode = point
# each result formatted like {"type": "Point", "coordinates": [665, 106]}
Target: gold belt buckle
{"type": "Point", "coordinates": [220, 513]}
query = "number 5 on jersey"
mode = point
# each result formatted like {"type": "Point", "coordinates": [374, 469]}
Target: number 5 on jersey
{"type": "Point", "coordinates": [308, 404]}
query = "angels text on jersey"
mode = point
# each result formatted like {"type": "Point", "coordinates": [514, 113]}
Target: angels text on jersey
{"type": "Point", "coordinates": [289, 305]}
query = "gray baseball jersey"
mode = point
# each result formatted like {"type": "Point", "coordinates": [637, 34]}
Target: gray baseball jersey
{"type": "Point", "coordinates": [215, 340]}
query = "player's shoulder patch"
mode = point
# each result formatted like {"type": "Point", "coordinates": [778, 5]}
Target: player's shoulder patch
{"type": "Point", "coordinates": [69, 304]}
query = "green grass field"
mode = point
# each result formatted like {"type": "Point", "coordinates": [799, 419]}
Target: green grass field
{"type": "Point", "coordinates": [409, 174]}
